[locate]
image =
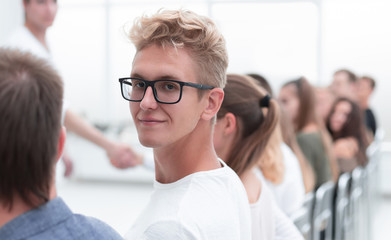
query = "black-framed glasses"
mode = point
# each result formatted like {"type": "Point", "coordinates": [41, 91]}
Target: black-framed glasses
{"type": "Point", "coordinates": [164, 91]}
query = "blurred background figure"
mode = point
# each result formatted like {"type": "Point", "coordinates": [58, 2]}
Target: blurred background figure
{"type": "Point", "coordinates": [39, 16]}
{"type": "Point", "coordinates": [263, 82]}
{"type": "Point", "coordinates": [298, 99]}
{"type": "Point", "coordinates": [350, 140]}
{"type": "Point", "coordinates": [245, 124]}
{"type": "Point", "coordinates": [289, 138]}
{"type": "Point", "coordinates": [344, 84]}
{"type": "Point", "coordinates": [324, 98]}
{"type": "Point", "coordinates": [366, 86]}
{"type": "Point", "coordinates": [282, 147]}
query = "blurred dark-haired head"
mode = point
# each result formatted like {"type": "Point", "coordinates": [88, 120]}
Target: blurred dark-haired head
{"type": "Point", "coordinates": [298, 99]}
{"type": "Point", "coordinates": [263, 82]}
{"type": "Point", "coordinates": [344, 84]}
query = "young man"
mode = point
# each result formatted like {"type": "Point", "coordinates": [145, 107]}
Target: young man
{"type": "Point", "coordinates": [344, 84]}
{"type": "Point", "coordinates": [366, 85]}
{"type": "Point", "coordinates": [39, 16]}
{"type": "Point", "coordinates": [175, 91]}
{"type": "Point", "coordinates": [31, 141]}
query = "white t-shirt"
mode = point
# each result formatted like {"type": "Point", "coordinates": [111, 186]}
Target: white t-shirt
{"type": "Point", "coordinates": [289, 194]}
{"type": "Point", "coordinates": [203, 205]}
{"type": "Point", "coordinates": [268, 221]}
{"type": "Point", "coordinates": [24, 40]}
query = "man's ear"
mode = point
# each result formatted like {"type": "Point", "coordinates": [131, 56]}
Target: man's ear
{"type": "Point", "coordinates": [214, 101]}
{"type": "Point", "coordinates": [24, 5]}
{"type": "Point", "coordinates": [61, 143]}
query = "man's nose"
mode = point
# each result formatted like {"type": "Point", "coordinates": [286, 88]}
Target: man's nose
{"type": "Point", "coordinates": [149, 101]}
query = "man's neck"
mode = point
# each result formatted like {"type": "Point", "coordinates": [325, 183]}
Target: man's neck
{"type": "Point", "coordinates": [19, 207]}
{"type": "Point", "coordinates": [364, 103]}
{"type": "Point", "coordinates": [194, 153]}
{"type": "Point", "coordinates": [39, 33]}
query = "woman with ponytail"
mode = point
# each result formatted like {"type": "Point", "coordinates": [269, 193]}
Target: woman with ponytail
{"type": "Point", "coordinates": [245, 123]}
{"type": "Point", "coordinates": [282, 146]}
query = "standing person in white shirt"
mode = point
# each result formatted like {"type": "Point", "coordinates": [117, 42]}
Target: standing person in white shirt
{"type": "Point", "coordinates": [175, 90]}
{"type": "Point", "coordinates": [39, 16]}
{"type": "Point", "coordinates": [245, 123]}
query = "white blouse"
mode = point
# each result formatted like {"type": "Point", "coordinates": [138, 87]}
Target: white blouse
{"type": "Point", "coordinates": [267, 220]}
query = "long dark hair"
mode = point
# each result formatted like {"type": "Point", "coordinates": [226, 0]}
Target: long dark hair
{"type": "Point", "coordinates": [255, 123]}
{"type": "Point", "coordinates": [353, 127]}
{"type": "Point", "coordinates": [307, 114]}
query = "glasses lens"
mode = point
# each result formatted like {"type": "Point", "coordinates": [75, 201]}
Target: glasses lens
{"type": "Point", "coordinates": [133, 89]}
{"type": "Point", "coordinates": [168, 91]}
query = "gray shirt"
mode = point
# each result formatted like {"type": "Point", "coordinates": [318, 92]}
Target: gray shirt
{"type": "Point", "coordinates": [313, 149]}
{"type": "Point", "coordinates": [54, 220]}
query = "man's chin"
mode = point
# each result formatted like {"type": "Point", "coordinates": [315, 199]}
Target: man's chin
{"type": "Point", "coordinates": [147, 142]}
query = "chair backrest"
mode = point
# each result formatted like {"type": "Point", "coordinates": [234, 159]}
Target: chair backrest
{"type": "Point", "coordinates": [323, 210]}
{"type": "Point", "coordinates": [342, 220]}
{"type": "Point", "coordinates": [302, 218]}
{"type": "Point", "coordinates": [357, 185]}
{"type": "Point", "coordinates": [356, 201]}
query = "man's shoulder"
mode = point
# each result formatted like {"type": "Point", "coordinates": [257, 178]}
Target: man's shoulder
{"type": "Point", "coordinates": [217, 182]}
{"type": "Point", "coordinates": [214, 196]}
{"type": "Point", "coordinates": [54, 220]}
{"type": "Point", "coordinates": [202, 204]}
{"type": "Point", "coordinates": [169, 229]}
{"type": "Point", "coordinates": [17, 37]}
{"type": "Point", "coordinates": [90, 228]}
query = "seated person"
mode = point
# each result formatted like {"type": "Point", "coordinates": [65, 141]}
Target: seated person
{"type": "Point", "coordinates": [31, 141]}
{"type": "Point", "coordinates": [175, 90]}
{"type": "Point", "coordinates": [366, 86]}
{"type": "Point", "coordinates": [283, 145]}
{"type": "Point", "coordinates": [245, 122]}
{"type": "Point", "coordinates": [346, 127]}
{"type": "Point", "coordinates": [298, 99]}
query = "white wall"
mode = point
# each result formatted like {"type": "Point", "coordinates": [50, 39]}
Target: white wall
{"type": "Point", "coordinates": [357, 35]}
{"type": "Point", "coordinates": [11, 15]}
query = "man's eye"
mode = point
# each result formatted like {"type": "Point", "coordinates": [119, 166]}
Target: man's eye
{"type": "Point", "coordinates": [169, 86]}
{"type": "Point", "coordinates": [139, 84]}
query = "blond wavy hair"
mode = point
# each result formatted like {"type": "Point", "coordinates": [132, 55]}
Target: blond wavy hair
{"type": "Point", "coordinates": [186, 29]}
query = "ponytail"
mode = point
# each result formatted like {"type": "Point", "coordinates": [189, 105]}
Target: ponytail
{"type": "Point", "coordinates": [257, 117]}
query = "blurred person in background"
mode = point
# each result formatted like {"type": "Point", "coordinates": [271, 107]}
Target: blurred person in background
{"type": "Point", "coordinates": [245, 124]}
{"type": "Point", "coordinates": [285, 136]}
{"type": "Point", "coordinates": [298, 99]}
{"type": "Point", "coordinates": [39, 16]}
{"type": "Point", "coordinates": [263, 82]}
{"type": "Point", "coordinates": [366, 86]}
{"type": "Point", "coordinates": [289, 138]}
{"type": "Point", "coordinates": [31, 142]}
{"type": "Point", "coordinates": [344, 84]}
{"type": "Point", "coordinates": [350, 140]}
{"type": "Point", "coordinates": [324, 101]}
{"type": "Point", "coordinates": [297, 170]}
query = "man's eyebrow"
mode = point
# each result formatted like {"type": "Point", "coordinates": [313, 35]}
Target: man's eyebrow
{"type": "Point", "coordinates": [163, 77]}
{"type": "Point", "coordinates": [168, 77]}
{"type": "Point", "coordinates": [136, 75]}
